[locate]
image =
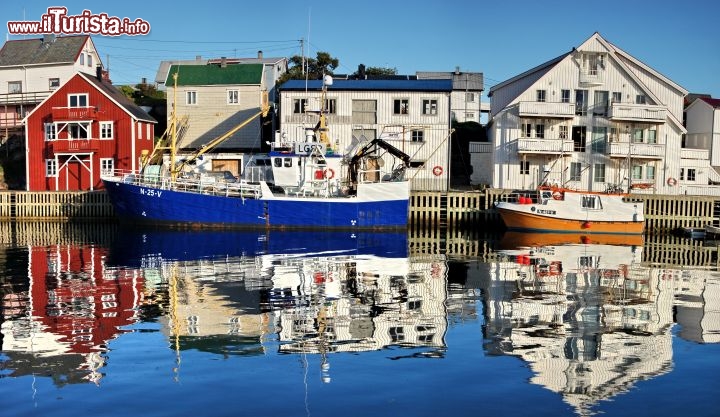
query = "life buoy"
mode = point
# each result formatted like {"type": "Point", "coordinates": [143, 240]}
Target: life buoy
{"type": "Point", "coordinates": [329, 173]}
{"type": "Point", "coordinates": [671, 182]}
{"type": "Point", "coordinates": [557, 195]}
{"type": "Point", "coordinates": [437, 170]}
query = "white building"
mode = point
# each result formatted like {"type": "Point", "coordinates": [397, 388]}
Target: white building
{"type": "Point", "coordinates": [31, 69]}
{"type": "Point", "coordinates": [702, 120]}
{"type": "Point", "coordinates": [588, 119]}
{"type": "Point", "coordinates": [412, 115]}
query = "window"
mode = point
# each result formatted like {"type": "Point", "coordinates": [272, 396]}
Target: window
{"type": "Point", "coordinates": [469, 97]}
{"type": "Point", "coordinates": [617, 97]}
{"type": "Point", "coordinates": [599, 173]}
{"type": "Point", "coordinates": [526, 130]}
{"type": "Point", "coordinates": [397, 334]}
{"type": "Point", "coordinates": [637, 172]}
{"type": "Point", "coordinates": [77, 100]}
{"type": "Point", "coordinates": [691, 174]}
{"type": "Point", "coordinates": [299, 105]}
{"type": "Point", "coordinates": [54, 83]}
{"type": "Point", "coordinates": [601, 103]}
{"type": "Point", "coordinates": [89, 60]}
{"type": "Point", "coordinates": [106, 130]}
{"type": "Point", "coordinates": [277, 162]}
{"type": "Point", "coordinates": [50, 131]}
{"type": "Point", "coordinates": [682, 173]}
{"type": "Point", "coordinates": [50, 168]}
{"type": "Point", "coordinates": [581, 102]}
{"type": "Point", "coordinates": [540, 131]}
{"type": "Point", "coordinates": [579, 137]}
{"type": "Point", "coordinates": [640, 99]}
{"type": "Point", "coordinates": [429, 107]}
{"type": "Point", "coordinates": [637, 136]}
{"type": "Point", "coordinates": [614, 134]}
{"type": "Point", "coordinates": [575, 171]}
{"type": "Point", "coordinates": [590, 202]}
{"type": "Point", "coordinates": [563, 132]}
{"type": "Point", "coordinates": [524, 167]}
{"type": "Point", "coordinates": [650, 172]}
{"type": "Point", "coordinates": [331, 105]}
{"type": "Point", "coordinates": [401, 106]}
{"type": "Point", "coordinates": [232, 96]}
{"type": "Point", "coordinates": [14, 87]}
{"type": "Point", "coordinates": [107, 166]}
{"type": "Point", "coordinates": [598, 142]}
{"type": "Point", "coordinates": [82, 58]}
{"type": "Point", "coordinates": [287, 162]}
{"type": "Point", "coordinates": [540, 95]}
{"type": "Point", "coordinates": [565, 96]}
{"type": "Point", "coordinates": [139, 131]}
{"type": "Point", "coordinates": [78, 130]}
{"type": "Point", "coordinates": [469, 116]}
{"type": "Point", "coordinates": [652, 136]}
{"type": "Point", "coordinates": [190, 97]}
{"type": "Point", "coordinates": [418, 136]}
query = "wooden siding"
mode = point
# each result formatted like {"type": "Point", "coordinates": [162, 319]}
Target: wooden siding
{"type": "Point", "coordinates": [212, 116]}
{"type": "Point", "coordinates": [123, 148]}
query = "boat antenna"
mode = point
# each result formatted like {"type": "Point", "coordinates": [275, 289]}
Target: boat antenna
{"type": "Point", "coordinates": [173, 132]}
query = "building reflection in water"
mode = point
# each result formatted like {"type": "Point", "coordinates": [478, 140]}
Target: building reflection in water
{"type": "Point", "coordinates": [591, 318]}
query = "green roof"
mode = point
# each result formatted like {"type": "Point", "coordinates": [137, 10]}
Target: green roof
{"type": "Point", "coordinates": [232, 74]}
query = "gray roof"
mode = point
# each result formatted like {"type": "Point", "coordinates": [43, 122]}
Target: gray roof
{"type": "Point", "coordinates": [464, 81]}
{"type": "Point", "coordinates": [370, 85]}
{"type": "Point", "coordinates": [120, 98]}
{"type": "Point", "coordinates": [45, 50]}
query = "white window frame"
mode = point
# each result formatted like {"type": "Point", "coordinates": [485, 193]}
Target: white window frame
{"type": "Point", "coordinates": [51, 168]}
{"type": "Point", "coordinates": [106, 130]}
{"type": "Point", "coordinates": [191, 98]}
{"type": "Point", "coordinates": [50, 131]}
{"type": "Point", "coordinates": [540, 95]}
{"type": "Point", "coordinates": [14, 87]}
{"type": "Point", "coordinates": [299, 105]}
{"type": "Point", "coordinates": [79, 98]}
{"type": "Point", "coordinates": [418, 136]}
{"type": "Point", "coordinates": [53, 83]}
{"type": "Point", "coordinates": [599, 173]}
{"type": "Point", "coordinates": [430, 107]}
{"type": "Point", "coordinates": [107, 166]}
{"type": "Point", "coordinates": [233, 97]}
{"type": "Point", "coordinates": [401, 106]}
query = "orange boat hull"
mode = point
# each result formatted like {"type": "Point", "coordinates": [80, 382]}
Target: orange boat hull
{"type": "Point", "coordinates": [532, 222]}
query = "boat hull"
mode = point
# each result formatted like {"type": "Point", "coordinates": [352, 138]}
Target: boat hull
{"type": "Point", "coordinates": [519, 220]}
{"type": "Point", "coordinates": [142, 204]}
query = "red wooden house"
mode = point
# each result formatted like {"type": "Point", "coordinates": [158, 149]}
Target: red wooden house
{"type": "Point", "coordinates": [84, 129]}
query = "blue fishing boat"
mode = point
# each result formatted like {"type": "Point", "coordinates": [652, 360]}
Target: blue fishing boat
{"type": "Point", "coordinates": [304, 183]}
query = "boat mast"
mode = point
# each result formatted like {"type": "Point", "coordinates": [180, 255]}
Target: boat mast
{"type": "Point", "coordinates": [173, 132]}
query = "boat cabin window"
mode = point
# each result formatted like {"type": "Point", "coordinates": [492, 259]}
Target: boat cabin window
{"type": "Point", "coordinates": [591, 202]}
{"type": "Point", "coordinates": [282, 162]}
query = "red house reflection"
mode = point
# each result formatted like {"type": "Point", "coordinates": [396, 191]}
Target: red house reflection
{"type": "Point", "coordinates": [76, 298]}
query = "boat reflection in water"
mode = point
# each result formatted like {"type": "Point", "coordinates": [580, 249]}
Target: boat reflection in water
{"type": "Point", "coordinates": [318, 292]}
{"type": "Point", "coordinates": [590, 319]}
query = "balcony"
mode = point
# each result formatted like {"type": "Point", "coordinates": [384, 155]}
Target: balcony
{"type": "Point", "coordinates": [67, 114]}
{"type": "Point", "coordinates": [592, 77]}
{"type": "Point", "coordinates": [638, 113]}
{"type": "Point", "coordinates": [23, 98]}
{"type": "Point", "coordinates": [547, 109]}
{"type": "Point", "coordinates": [545, 146]}
{"type": "Point", "coordinates": [73, 145]}
{"type": "Point", "coordinates": [636, 150]}
{"type": "Point", "coordinates": [699, 154]}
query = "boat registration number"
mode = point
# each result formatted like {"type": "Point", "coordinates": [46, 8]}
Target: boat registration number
{"type": "Point", "coordinates": [150, 192]}
{"type": "Point", "coordinates": [307, 148]}
{"type": "Point", "coordinates": [546, 212]}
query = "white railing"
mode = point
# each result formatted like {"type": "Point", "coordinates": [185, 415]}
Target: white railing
{"type": "Point", "coordinates": [544, 145]}
{"type": "Point", "coordinates": [635, 150]}
{"type": "Point", "coordinates": [638, 112]}
{"type": "Point", "coordinates": [546, 109]}
{"type": "Point", "coordinates": [701, 154]}
{"type": "Point", "coordinates": [201, 185]}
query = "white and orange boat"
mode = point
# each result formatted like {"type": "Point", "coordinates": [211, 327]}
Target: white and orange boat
{"type": "Point", "coordinates": [561, 210]}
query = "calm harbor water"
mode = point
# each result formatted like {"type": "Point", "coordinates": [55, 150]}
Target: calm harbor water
{"type": "Point", "coordinates": [108, 321]}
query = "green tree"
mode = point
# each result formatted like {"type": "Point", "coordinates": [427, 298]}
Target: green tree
{"type": "Point", "coordinates": [374, 71]}
{"type": "Point", "coordinates": [315, 68]}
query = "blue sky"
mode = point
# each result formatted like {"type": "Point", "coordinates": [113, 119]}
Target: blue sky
{"type": "Point", "coordinates": [501, 39]}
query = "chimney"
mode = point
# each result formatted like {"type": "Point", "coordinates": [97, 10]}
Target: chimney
{"type": "Point", "coordinates": [457, 70]}
{"type": "Point", "coordinates": [260, 55]}
{"type": "Point", "coordinates": [143, 80]}
{"type": "Point", "coordinates": [223, 62]}
{"type": "Point", "coordinates": [98, 73]}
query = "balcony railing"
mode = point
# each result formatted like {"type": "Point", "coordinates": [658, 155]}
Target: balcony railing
{"type": "Point", "coordinates": [73, 145]}
{"type": "Point", "coordinates": [23, 98]}
{"type": "Point", "coordinates": [638, 112]}
{"type": "Point", "coordinates": [635, 150]}
{"type": "Point", "coordinates": [548, 146]}
{"type": "Point", "coordinates": [546, 109]}
{"type": "Point", "coordinates": [592, 77]}
{"type": "Point", "coordinates": [701, 154]}
{"type": "Point", "coordinates": [73, 113]}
